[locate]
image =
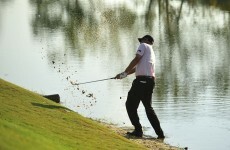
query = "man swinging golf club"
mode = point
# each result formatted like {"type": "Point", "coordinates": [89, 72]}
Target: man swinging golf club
{"type": "Point", "coordinates": [142, 87]}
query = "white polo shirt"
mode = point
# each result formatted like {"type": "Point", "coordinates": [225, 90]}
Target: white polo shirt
{"type": "Point", "coordinates": [146, 65]}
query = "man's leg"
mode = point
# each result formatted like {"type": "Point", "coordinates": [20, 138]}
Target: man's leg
{"type": "Point", "coordinates": [147, 102]}
{"type": "Point", "coordinates": [132, 104]}
{"type": "Point", "coordinates": [153, 119]}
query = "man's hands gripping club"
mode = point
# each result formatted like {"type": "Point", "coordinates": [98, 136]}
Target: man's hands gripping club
{"type": "Point", "coordinates": [121, 75]}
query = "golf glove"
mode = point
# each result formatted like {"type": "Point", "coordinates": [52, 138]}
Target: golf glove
{"type": "Point", "coordinates": [123, 75]}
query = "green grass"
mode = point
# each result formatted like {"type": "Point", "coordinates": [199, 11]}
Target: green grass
{"type": "Point", "coordinates": [29, 121]}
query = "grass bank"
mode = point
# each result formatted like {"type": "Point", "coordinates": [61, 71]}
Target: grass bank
{"type": "Point", "coordinates": [29, 121]}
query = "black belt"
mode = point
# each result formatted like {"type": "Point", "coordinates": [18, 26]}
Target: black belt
{"type": "Point", "coordinates": [144, 77]}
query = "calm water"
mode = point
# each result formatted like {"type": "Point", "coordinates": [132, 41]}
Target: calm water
{"type": "Point", "coordinates": [46, 44]}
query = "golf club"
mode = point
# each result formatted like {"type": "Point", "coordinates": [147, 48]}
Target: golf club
{"type": "Point", "coordinates": [91, 81]}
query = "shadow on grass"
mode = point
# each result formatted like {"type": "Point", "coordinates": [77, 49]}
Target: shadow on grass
{"type": "Point", "coordinates": [50, 106]}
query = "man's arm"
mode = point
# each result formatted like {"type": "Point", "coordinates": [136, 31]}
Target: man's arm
{"type": "Point", "coordinates": [132, 71]}
{"type": "Point", "coordinates": [131, 67]}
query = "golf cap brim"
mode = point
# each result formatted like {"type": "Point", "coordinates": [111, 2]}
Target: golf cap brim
{"type": "Point", "coordinates": [148, 37]}
{"type": "Point", "coordinates": [139, 39]}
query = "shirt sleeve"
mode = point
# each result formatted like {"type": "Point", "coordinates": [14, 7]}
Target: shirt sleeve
{"type": "Point", "coordinates": [141, 49]}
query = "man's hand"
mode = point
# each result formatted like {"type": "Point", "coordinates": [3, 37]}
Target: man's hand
{"type": "Point", "coordinates": [121, 75]}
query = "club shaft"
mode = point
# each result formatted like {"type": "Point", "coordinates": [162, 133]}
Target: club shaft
{"type": "Point", "coordinates": [95, 81]}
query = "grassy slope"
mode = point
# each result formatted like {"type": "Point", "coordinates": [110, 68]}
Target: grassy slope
{"type": "Point", "coordinates": [29, 121]}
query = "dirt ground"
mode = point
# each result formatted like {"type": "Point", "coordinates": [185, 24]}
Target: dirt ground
{"type": "Point", "coordinates": [149, 142]}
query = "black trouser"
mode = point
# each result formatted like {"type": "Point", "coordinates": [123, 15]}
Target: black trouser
{"type": "Point", "coordinates": [141, 90]}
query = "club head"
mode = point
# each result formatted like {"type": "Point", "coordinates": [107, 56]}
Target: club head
{"type": "Point", "coordinates": [73, 83]}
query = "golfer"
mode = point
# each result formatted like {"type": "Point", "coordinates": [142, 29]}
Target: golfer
{"type": "Point", "coordinates": [142, 87]}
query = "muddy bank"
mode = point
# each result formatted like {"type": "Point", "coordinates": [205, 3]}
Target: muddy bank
{"type": "Point", "coordinates": [149, 142]}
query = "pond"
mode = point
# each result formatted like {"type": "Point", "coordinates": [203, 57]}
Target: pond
{"type": "Point", "coordinates": [46, 44]}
